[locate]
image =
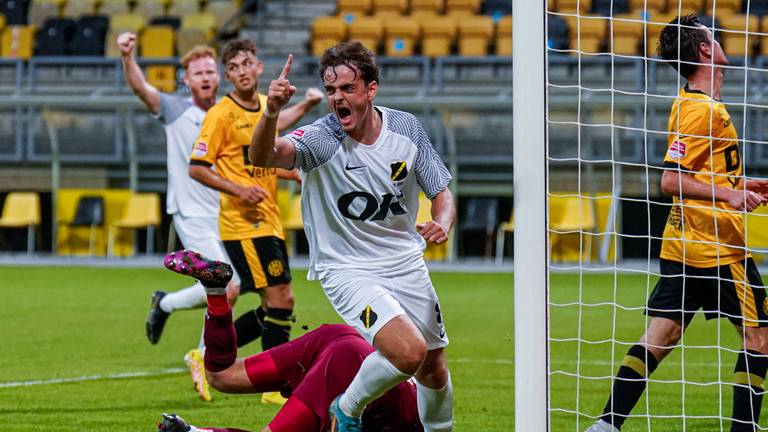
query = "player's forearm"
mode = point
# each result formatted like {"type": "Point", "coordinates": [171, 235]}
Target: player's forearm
{"type": "Point", "coordinates": [444, 210]}
{"type": "Point", "coordinates": [209, 178]}
{"type": "Point", "coordinates": [683, 185]}
{"type": "Point", "coordinates": [135, 79]}
{"type": "Point", "coordinates": [262, 148]}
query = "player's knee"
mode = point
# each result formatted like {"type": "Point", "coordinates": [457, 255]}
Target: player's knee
{"type": "Point", "coordinates": [756, 340]}
{"type": "Point", "coordinates": [216, 380]}
{"type": "Point", "coordinates": [279, 296]}
{"type": "Point", "coordinates": [411, 360]}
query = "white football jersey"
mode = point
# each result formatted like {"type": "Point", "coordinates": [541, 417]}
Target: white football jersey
{"type": "Point", "coordinates": [359, 202]}
{"type": "Point", "coordinates": [182, 120]}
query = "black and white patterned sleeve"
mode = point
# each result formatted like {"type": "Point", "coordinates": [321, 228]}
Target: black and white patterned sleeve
{"type": "Point", "coordinates": [315, 144]}
{"type": "Point", "coordinates": [431, 172]}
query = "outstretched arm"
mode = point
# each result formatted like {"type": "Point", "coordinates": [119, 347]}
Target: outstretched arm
{"type": "Point", "coordinates": [133, 74]}
{"type": "Point", "coordinates": [266, 150]}
{"type": "Point", "coordinates": [443, 217]}
{"type": "Point", "coordinates": [683, 185]}
{"type": "Point", "coordinates": [291, 115]}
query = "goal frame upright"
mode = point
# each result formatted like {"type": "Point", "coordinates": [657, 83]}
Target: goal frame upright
{"type": "Point", "coordinates": [531, 216]}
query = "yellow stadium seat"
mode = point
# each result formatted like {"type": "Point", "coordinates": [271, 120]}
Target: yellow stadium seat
{"type": "Point", "coordinates": [327, 31]}
{"type": "Point", "coordinates": [2, 21]}
{"type": "Point", "coordinates": [202, 21]}
{"type": "Point", "coordinates": [474, 34]}
{"type": "Point", "coordinates": [462, 7]}
{"type": "Point", "coordinates": [722, 7]}
{"type": "Point", "coordinates": [291, 218]}
{"type": "Point", "coordinates": [433, 252]}
{"type": "Point", "coordinates": [75, 8]}
{"type": "Point", "coordinates": [504, 36]}
{"type": "Point", "coordinates": [389, 7]}
{"type": "Point", "coordinates": [756, 231]}
{"type": "Point", "coordinates": [150, 8]}
{"type": "Point", "coordinates": [368, 30]}
{"type": "Point", "coordinates": [41, 10]}
{"type": "Point", "coordinates": [157, 41]}
{"type": "Point", "coordinates": [570, 6]}
{"type": "Point", "coordinates": [223, 11]}
{"type": "Point", "coordinates": [17, 42]}
{"type": "Point", "coordinates": [551, 5]}
{"type": "Point", "coordinates": [163, 77]}
{"type": "Point", "coordinates": [401, 36]}
{"type": "Point", "coordinates": [590, 30]}
{"type": "Point", "coordinates": [437, 35]}
{"type": "Point", "coordinates": [653, 6]}
{"type": "Point", "coordinates": [181, 8]}
{"type": "Point", "coordinates": [626, 35]}
{"type": "Point", "coordinates": [764, 37]}
{"type": "Point", "coordinates": [188, 38]}
{"type": "Point", "coordinates": [501, 236]}
{"type": "Point", "coordinates": [571, 216]}
{"type": "Point", "coordinates": [127, 22]}
{"type": "Point", "coordinates": [113, 7]}
{"type": "Point", "coordinates": [89, 213]}
{"type": "Point", "coordinates": [654, 25]}
{"type": "Point", "coordinates": [736, 42]}
{"type": "Point", "coordinates": [684, 6]}
{"type": "Point", "coordinates": [354, 7]}
{"type": "Point", "coordinates": [427, 6]}
{"type": "Point", "coordinates": [142, 211]}
{"type": "Point", "coordinates": [22, 210]}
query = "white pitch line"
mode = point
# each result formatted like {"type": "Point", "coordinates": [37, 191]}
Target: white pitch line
{"type": "Point", "coordinates": [92, 378]}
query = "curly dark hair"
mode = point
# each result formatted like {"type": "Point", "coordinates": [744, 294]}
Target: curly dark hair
{"type": "Point", "coordinates": [233, 47]}
{"type": "Point", "coordinates": [691, 36]}
{"type": "Point", "coordinates": [354, 55]}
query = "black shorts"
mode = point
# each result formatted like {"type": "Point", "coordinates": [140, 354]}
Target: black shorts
{"type": "Point", "coordinates": [260, 262]}
{"type": "Point", "coordinates": [719, 291]}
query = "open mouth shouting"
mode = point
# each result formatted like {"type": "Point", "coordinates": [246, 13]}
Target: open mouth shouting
{"type": "Point", "coordinates": [344, 114]}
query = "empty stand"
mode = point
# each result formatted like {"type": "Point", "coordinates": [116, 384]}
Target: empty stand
{"type": "Point", "coordinates": [627, 34]}
{"type": "Point", "coordinates": [173, 22]}
{"type": "Point", "coordinates": [150, 8]}
{"type": "Point", "coordinates": [113, 7]}
{"type": "Point", "coordinates": [462, 7]}
{"type": "Point", "coordinates": [55, 37]}
{"type": "Point", "coordinates": [202, 21]}
{"type": "Point", "coordinates": [17, 42]}
{"type": "Point", "coordinates": [654, 26]}
{"type": "Point", "coordinates": [723, 7]}
{"type": "Point", "coordinates": [368, 30]}
{"type": "Point", "coordinates": [141, 211]}
{"type": "Point", "coordinates": [127, 22]}
{"type": "Point", "coordinates": [41, 10]}
{"type": "Point", "coordinates": [557, 31]}
{"type": "Point", "coordinates": [438, 34]}
{"type": "Point", "coordinates": [652, 6]}
{"type": "Point", "coordinates": [188, 38]}
{"type": "Point", "coordinates": [475, 33]}
{"type": "Point", "coordinates": [326, 32]}
{"type": "Point", "coordinates": [480, 215]}
{"type": "Point", "coordinates": [587, 32]}
{"type": "Point", "coordinates": [223, 10]}
{"type": "Point", "coordinates": [22, 210]}
{"type": "Point", "coordinates": [159, 42]}
{"type": "Point", "coordinates": [183, 7]}
{"type": "Point", "coordinates": [736, 41]}
{"type": "Point", "coordinates": [426, 7]}
{"type": "Point", "coordinates": [570, 6]}
{"type": "Point", "coordinates": [610, 7]}
{"type": "Point", "coordinates": [354, 7]}
{"type": "Point", "coordinates": [685, 6]}
{"type": "Point", "coordinates": [89, 213]}
{"type": "Point", "coordinates": [504, 36]}
{"type": "Point", "coordinates": [764, 37]}
{"type": "Point", "coordinates": [400, 36]}
{"type": "Point", "coordinates": [497, 7]}
{"type": "Point", "coordinates": [76, 8]}
{"type": "Point", "coordinates": [14, 11]}
{"type": "Point", "coordinates": [90, 34]}
{"type": "Point", "coordinates": [389, 7]}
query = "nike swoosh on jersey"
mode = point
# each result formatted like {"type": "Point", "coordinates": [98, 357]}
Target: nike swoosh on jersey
{"type": "Point", "coordinates": [349, 168]}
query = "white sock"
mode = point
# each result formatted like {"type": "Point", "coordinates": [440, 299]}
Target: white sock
{"type": "Point", "coordinates": [192, 297]}
{"type": "Point", "coordinates": [435, 407]}
{"type": "Point", "coordinates": [375, 377]}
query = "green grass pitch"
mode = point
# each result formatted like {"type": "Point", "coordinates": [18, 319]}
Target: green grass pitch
{"type": "Point", "coordinates": [68, 322]}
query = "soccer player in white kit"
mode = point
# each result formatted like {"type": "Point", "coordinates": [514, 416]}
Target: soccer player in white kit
{"type": "Point", "coordinates": [363, 166]}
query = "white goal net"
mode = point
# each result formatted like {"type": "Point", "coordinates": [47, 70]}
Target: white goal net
{"type": "Point", "coordinates": [607, 98]}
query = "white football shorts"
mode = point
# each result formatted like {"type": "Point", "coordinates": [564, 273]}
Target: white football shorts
{"type": "Point", "coordinates": [367, 301]}
{"type": "Point", "coordinates": [201, 234]}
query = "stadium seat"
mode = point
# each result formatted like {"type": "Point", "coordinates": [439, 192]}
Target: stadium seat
{"type": "Point", "coordinates": [501, 236]}
{"type": "Point", "coordinates": [569, 216]}
{"type": "Point", "coordinates": [685, 6]}
{"type": "Point", "coordinates": [400, 36]}
{"type": "Point", "coordinates": [557, 31]}
{"type": "Point", "coordinates": [627, 35]}
{"type": "Point", "coordinates": [651, 6]}
{"type": "Point", "coordinates": [437, 36]}
{"type": "Point", "coordinates": [17, 42]}
{"type": "Point", "coordinates": [113, 7]}
{"type": "Point", "coordinates": [188, 38]}
{"type": "Point", "coordinates": [76, 8]}
{"type": "Point", "coordinates": [654, 25]}
{"type": "Point", "coordinates": [480, 215]}
{"type": "Point", "coordinates": [755, 8]}
{"type": "Point", "coordinates": [590, 30]}
{"type": "Point", "coordinates": [428, 6]}
{"type": "Point", "coordinates": [150, 8]}
{"type": "Point", "coordinates": [183, 7]}
{"type": "Point", "coordinates": [354, 7]}
{"type": "Point", "coordinates": [127, 22]}
{"type": "Point", "coordinates": [202, 21]}
{"type": "Point", "coordinates": [496, 8]}
{"type": "Point", "coordinates": [2, 21]}
{"type": "Point", "coordinates": [764, 36]}
{"type": "Point", "coordinates": [551, 5]}
{"type": "Point", "coordinates": [326, 32]}
{"type": "Point", "coordinates": [41, 10]}
{"type": "Point", "coordinates": [474, 35]}
{"type": "Point", "coordinates": [504, 36]}
{"type": "Point", "coordinates": [22, 210]}
{"type": "Point", "coordinates": [15, 11]}
{"type": "Point", "coordinates": [368, 30]}
{"type": "Point", "coordinates": [223, 11]}
{"type": "Point", "coordinates": [723, 7]}
{"type": "Point", "coordinates": [142, 211]}
{"type": "Point", "coordinates": [90, 34]}
{"type": "Point", "coordinates": [432, 252]}
{"type": "Point", "coordinates": [55, 37]}
{"type": "Point", "coordinates": [89, 213]}
{"type": "Point", "coordinates": [736, 41]}
{"type": "Point", "coordinates": [610, 7]}
{"type": "Point", "coordinates": [384, 8]}
{"type": "Point", "coordinates": [173, 22]}
{"type": "Point", "coordinates": [159, 42]}
{"type": "Point", "coordinates": [756, 230]}
{"type": "Point", "coordinates": [291, 219]}
{"type": "Point", "coordinates": [569, 6]}
{"type": "Point", "coordinates": [462, 7]}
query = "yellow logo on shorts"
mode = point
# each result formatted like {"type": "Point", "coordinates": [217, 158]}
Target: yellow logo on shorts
{"type": "Point", "coordinates": [275, 268]}
{"type": "Point", "coordinates": [765, 306]}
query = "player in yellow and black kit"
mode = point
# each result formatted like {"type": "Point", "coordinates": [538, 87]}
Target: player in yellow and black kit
{"type": "Point", "coordinates": [249, 219]}
{"type": "Point", "coordinates": [704, 263]}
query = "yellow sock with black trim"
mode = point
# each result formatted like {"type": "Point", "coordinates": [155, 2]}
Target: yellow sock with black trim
{"type": "Point", "coordinates": [276, 329]}
{"type": "Point", "coordinates": [748, 377]}
{"type": "Point", "coordinates": [629, 385]}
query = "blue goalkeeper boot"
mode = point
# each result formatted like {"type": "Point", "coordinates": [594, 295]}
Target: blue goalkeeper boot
{"type": "Point", "coordinates": [341, 422]}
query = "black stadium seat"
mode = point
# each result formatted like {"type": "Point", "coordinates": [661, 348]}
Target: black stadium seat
{"type": "Point", "coordinates": [603, 7]}
{"type": "Point", "coordinates": [55, 36]}
{"type": "Point", "coordinates": [170, 21]}
{"type": "Point", "coordinates": [557, 30]}
{"type": "Point", "coordinates": [497, 7]}
{"type": "Point", "coordinates": [90, 34]}
{"type": "Point", "coordinates": [15, 11]}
